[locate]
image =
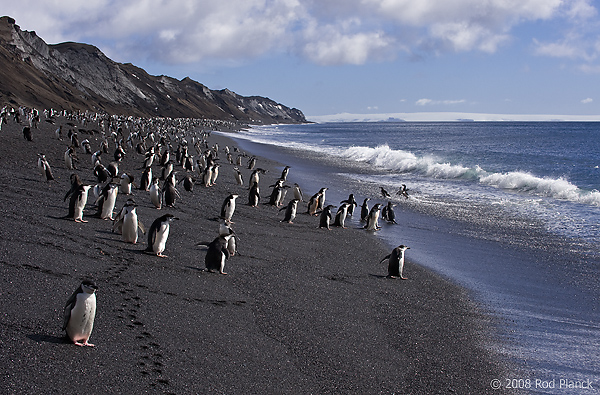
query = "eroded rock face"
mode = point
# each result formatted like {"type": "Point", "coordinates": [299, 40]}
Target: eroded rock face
{"type": "Point", "coordinates": [79, 76]}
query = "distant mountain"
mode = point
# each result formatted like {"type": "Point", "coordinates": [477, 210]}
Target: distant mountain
{"type": "Point", "coordinates": [77, 76]}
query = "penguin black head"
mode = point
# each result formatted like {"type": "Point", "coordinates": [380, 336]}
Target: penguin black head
{"type": "Point", "coordinates": [89, 286]}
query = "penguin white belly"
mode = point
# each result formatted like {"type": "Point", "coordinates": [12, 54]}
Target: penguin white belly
{"type": "Point", "coordinates": [109, 205]}
{"type": "Point", "coordinates": [79, 206]}
{"type": "Point", "coordinates": [229, 210]}
{"type": "Point", "coordinates": [130, 231]}
{"type": "Point", "coordinates": [155, 195]}
{"type": "Point", "coordinates": [82, 317]}
{"type": "Point", "coordinates": [161, 239]}
{"type": "Point", "coordinates": [125, 187]}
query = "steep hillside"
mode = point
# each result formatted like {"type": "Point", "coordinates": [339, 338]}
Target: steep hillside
{"type": "Point", "coordinates": [77, 76]}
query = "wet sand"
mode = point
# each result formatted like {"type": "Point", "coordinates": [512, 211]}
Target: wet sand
{"type": "Point", "coordinates": [302, 310]}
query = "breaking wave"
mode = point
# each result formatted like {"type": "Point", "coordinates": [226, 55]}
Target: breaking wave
{"type": "Point", "coordinates": [407, 162]}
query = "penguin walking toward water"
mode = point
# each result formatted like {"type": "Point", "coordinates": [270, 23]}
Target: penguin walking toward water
{"type": "Point", "coordinates": [396, 262]}
{"type": "Point", "coordinates": [254, 195]}
{"type": "Point", "coordinates": [290, 211]}
{"type": "Point", "coordinates": [373, 218]}
{"type": "Point", "coordinates": [79, 314]}
{"type": "Point", "coordinates": [387, 213]}
{"type": "Point", "coordinates": [326, 217]}
{"type": "Point", "coordinates": [316, 202]}
{"type": "Point", "coordinates": [340, 216]}
{"type": "Point", "coordinates": [385, 193]}
{"type": "Point", "coordinates": [158, 234]}
{"type": "Point", "coordinates": [228, 208]}
{"type": "Point", "coordinates": [284, 173]}
{"type": "Point", "coordinates": [44, 167]}
{"type": "Point", "coordinates": [403, 191]}
{"type": "Point", "coordinates": [364, 210]}
{"type": "Point", "coordinates": [352, 204]}
{"type": "Point", "coordinates": [255, 177]}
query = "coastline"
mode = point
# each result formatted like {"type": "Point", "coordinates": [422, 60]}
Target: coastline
{"type": "Point", "coordinates": [303, 310]}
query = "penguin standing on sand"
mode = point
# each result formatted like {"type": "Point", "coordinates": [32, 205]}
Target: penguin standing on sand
{"type": "Point", "coordinates": [106, 201]}
{"type": "Point", "coordinates": [79, 314]}
{"type": "Point", "coordinates": [217, 254]}
{"type": "Point", "coordinates": [127, 180]}
{"type": "Point", "coordinates": [188, 183]}
{"type": "Point", "coordinates": [225, 230]}
{"type": "Point", "coordinates": [373, 218]}
{"type": "Point", "coordinates": [169, 192]}
{"type": "Point", "coordinates": [255, 177]}
{"type": "Point", "coordinates": [158, 234]}
{"type": "Point", "coordinates": [238, 176]}
{"type": "Point", "coordinates": [228, 208]}
{"type": "Point", "coordinates": [70, 158]}
{"type": "Point", "coordinates": [155, 195]}
{"type": "Point", "coordinates": [340, 216]}
{"type": "Point", "coordinates": [254, 195]}
{"type": "Point", "coordinates": [290, 211]}
{"type": "Point", "coordinates": [396, 262]}
{"type": "Point", "coordinates": [298, 192]}
{"type": "Point", "coordinates": [78, 202]}
{"type": "Point", "coordinates": [44, 167]}
{"type": "Point", "coordinates": [364, 209]}
{"type": "Point", "coordinates": [325, 217]}
{"type": "Point", "coordinates": [129, 223]}
{"type": "Point", "coordinates": [146, 179]}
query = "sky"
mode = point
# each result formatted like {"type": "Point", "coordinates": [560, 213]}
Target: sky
{"type": "Point", "coordinates": [410, 59]}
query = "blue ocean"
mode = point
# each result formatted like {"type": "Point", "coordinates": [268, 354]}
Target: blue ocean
{"type": "Point", "coordinates": [510, 211]}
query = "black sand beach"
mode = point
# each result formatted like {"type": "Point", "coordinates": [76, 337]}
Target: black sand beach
{"type": "Point", "coordinates": [303, 310]}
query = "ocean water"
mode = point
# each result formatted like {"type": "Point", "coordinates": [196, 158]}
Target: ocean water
{"type": "Point", "coordinates": [511, 211]}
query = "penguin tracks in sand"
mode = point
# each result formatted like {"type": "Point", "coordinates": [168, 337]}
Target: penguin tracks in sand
{"type": "Point", "coordinates": [151, 360]}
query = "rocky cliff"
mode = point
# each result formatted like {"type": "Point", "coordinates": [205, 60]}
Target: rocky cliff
{"type": "Point", "coordinates": [76, 76]}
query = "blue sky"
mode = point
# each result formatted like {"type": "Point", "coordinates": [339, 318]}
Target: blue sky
{"type": "Point", "coordinates": [368, 57]}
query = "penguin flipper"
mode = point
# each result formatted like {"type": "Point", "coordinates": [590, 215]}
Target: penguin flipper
{"type": "Point", "coordinates": [385, 257]}
{"type": "Point", "coordinates": [67, 311]}
{"type": "Point", "coordinates": [117, 224]}
{"type": "Point", "coordinates": [141, 226]}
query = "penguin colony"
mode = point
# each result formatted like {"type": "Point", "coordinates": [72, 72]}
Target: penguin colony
{"type": "Point", "coordinates": [166, 149]}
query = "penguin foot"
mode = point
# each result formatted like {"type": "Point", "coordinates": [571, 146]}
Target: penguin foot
{"type": "Point", "coordinates": [80, 220]}
{"type": "Point", "coordinates": [222, 272]}
{"type": "Point", "coordinates": [84, 344]}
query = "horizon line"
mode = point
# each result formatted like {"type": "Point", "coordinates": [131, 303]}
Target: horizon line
{"type": "Point", "coordinates": [450, 117]}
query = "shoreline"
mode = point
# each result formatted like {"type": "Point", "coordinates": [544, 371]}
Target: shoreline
{"type": "Point", "coordinates": [302, 310]}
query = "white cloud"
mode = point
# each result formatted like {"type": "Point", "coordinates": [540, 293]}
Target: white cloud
{"type": "Point", "coordinates": [426, 102]}
{"type": "Point", "coordinates": [587, 101]}
{"type": "Point", "coordinates": [324, 31]}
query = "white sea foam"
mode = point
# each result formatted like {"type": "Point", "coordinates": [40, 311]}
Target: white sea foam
{"type": "Point", "coordinates": [406, 162]}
